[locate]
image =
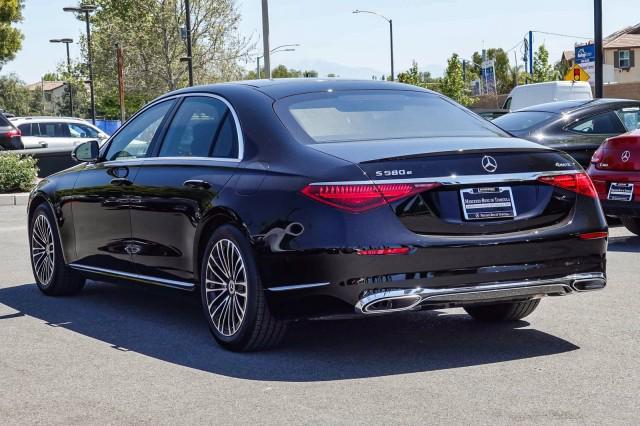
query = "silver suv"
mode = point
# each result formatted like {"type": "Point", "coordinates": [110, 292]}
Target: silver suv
{"type": "Point", "coordinates": [56, 132]}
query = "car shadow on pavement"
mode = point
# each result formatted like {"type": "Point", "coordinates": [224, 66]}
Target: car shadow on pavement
{"type": "Point", "coordinates": [627, 243]}
{"type": "Point", "coordinates": [168, 325]}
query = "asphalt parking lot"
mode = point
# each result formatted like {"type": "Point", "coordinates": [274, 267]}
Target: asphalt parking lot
{"type": "Point", "coordinates": [137, 354]}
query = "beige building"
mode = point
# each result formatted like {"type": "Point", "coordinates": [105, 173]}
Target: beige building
{"type": "Point", "coordinates": [620, 50]}
{"type": "Point", "coordinates": [52, 94]}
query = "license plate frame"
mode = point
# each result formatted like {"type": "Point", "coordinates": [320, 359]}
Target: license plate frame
{"type": "Point", "coordinates": [620, 191]}
{"type": "Point", "coordinates": [493, 203]}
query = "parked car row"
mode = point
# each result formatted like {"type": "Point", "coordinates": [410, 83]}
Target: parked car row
{"type": "Point", "coordinates": [46, 132]}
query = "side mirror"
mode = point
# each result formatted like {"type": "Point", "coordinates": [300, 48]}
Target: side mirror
{"type": "Point", "coordinates": [86, 152]}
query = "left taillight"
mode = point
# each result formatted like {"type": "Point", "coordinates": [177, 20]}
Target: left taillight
{"type": "Point", "coordinates": [580, 183]}
{"type": "Point", "coordinates": [357, 198]}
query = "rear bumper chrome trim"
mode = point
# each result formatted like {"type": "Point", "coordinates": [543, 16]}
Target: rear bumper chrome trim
{"type": "Point", "coordinates": [181, 285]}
{"type": "Point", "coordinates": [459, 180]}
{"type": "Point", "coordinates": [405, 299]}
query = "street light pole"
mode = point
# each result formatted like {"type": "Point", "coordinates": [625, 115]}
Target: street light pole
{"type": "Point", "coordinates": [67, 42]}
{"type": "Point", "coordinates": [87, 9]}
{"type": "Point", "coordinates": [265, 38]}
{"type": "Point", "coordinates": [390, 33]}
{"type": "Point", "coordinates": [274, 50]}
{"type": "Point", "coordinates": [597, 18]}
{"type": "Point", "coordinates": [188, 24]}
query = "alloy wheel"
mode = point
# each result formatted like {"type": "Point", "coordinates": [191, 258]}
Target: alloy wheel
{"type": "Point", "coordinates": [226, 287]}
{"type": "Point", "coordinates": [42, 249]}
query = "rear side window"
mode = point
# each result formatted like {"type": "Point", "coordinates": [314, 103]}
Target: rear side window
{"type": "Point", "coordinates": [601, 124]}
{"type": "Point", "coordinates": [630, 117]}
{"type": "Point", "coordinates": [523, 121]}
{"type": "Point", "coordinates": [378, 115]}
{"type": "Point", "coordinates": [202, 127]}
{"type": "Point", "coordinates": [4, 121]}
{"type": "Point", "coordinates": [25, 129]}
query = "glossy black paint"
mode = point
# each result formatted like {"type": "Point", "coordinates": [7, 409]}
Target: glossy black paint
{"type": "Point", "coordinates": [555, 132]}
{"type": "Point", "coordinates": [143, 218]}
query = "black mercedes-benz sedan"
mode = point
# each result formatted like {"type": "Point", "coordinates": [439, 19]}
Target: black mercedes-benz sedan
{"type": "Point", "coordinates": [576, 127]}
{"type": "Point", "coordinates": [287, 199]}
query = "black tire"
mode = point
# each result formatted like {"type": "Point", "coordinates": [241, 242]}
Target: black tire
{"type": "Point", "coordinates": [503, 311]}
{"type": "Point", "coordinates": [632, 224]}
{"type": "Point", "coordinates": [257, 329]}
{"type": "Point", "coordinates": [60, 279]}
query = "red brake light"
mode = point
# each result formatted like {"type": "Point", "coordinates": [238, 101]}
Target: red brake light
{"type": "Point", "coordinates": [14, 132]}
{"type": "Point", "coordinates": [593, 235]}
{"type": "Point", "coordinates": [384, 251]}
{"type": "Point", "coordinates": [358, 198]}
{"type": "Point", "coordinates": [580, 183]}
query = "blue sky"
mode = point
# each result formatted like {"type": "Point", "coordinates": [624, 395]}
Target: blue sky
{"type": "Point", "coordinates": [333, 39]}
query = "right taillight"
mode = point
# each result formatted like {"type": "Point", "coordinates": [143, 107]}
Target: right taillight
{"type": "Point", "coordinates": [357, 198]}
{"type": "Point", "coordinates": [14, 132]}
{"type": "Point", "coordinates": [580, 183]}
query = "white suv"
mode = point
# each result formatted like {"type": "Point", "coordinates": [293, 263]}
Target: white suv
{"type": "Point", "coordinates": [56, 132]}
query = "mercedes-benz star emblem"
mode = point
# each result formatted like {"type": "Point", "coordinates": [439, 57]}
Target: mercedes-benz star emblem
{"type": "Point", "coordinates": [489, 163]}
{"type": "Point", "coordinates": [625, 156]}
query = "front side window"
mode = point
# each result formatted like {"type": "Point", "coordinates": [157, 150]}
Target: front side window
{"type": "Point", "coordinates": [601, 124]}
{"type": "Point", "coordinates": [352, 116]}
{"type": "Point", "coordinates": [202, 127]}
{"type": "Point", "coordinates": [135, 138]}
{"type": "Point", "coordinates": [81, 131]}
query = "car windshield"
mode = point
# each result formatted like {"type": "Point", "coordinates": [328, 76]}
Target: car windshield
{"type": "Point", "coordinates": [378, 114]}
{"type": "Point", "coordinates": [522, 121]}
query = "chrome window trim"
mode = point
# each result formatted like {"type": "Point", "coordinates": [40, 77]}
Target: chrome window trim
{"type": "Point", "coordinates": [236, 120]}
{"type": "Point", "coordinates": [181, 285]}
{"type": "Point", "coordinates": [459, 180]}
{"type": "Point", "coordinates": [197, 160]}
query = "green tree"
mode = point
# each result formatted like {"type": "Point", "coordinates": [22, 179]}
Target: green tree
{"type": "Point", "coordinates": [417, 78]}
{"type": "Point", "coordinates": [14, 96]}
{"type": "Point", "coordinates": [453, 84]}
{"type": "Point", "coordinates": [51, 76]}
{"type": "Point", "coordinates": [542, 69]}
{"type": "Point", "coordinates": [147, 31]}
{"type": "Point", "coordinates": [10, 37]}
{"type": "Point", "coordinates": [501, 62]}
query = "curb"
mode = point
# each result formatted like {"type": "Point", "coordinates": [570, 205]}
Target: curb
{"type": "Point", "coordinates": [17, 199]}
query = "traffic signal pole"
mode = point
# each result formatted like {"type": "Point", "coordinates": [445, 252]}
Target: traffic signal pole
{"type": "Point", "coordinates": [597, 18]}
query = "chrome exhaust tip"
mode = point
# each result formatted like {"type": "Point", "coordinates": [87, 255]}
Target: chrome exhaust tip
{"type": "Point", "coordinates": [589, 284]}
{"type": "Point", "coordinates": [390, 304]}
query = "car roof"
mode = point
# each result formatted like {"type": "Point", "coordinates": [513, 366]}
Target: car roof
{"type": "Point", "coordinates": [45, 118]}
{"type": "Point", "coordinates": [283, 87]}
{"type": "Point", "coordinates": [570, 107]}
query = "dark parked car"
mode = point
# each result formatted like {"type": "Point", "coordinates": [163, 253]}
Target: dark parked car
{"type": "Point", "coordinates": [490, 113]}
{"type": "Point", "coordinates": [576, 127]}
{"type": "Point", "coordinates": [301, 198]}
{"type": "Point", "coordinates": [9, 135]}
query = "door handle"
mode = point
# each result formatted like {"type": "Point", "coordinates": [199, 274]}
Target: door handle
{"type": "Point", "coordinates": [121, 181]}
{"type": "Point", "coordinates": [197, 184]}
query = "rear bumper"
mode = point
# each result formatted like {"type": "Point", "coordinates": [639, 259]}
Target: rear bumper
{"type": "Point", "coordinates": [385, 301]}
{"type": "Point", "coordinates": [602, 179]}
{"type": "Point", "coordinates": [321, 283]}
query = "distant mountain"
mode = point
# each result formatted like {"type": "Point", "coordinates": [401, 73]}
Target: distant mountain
{"type": "Point", "coordinates": [345, 71]}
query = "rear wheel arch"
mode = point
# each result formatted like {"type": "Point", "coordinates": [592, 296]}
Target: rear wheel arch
{"type": "Point", "coordinates": [208, 226]}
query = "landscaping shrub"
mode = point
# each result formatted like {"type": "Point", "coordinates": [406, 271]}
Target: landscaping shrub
{"type": "Point", "coordinates": [17, 172]}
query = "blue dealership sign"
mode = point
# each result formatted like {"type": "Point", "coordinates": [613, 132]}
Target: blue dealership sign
{"type": "Point", "coordinates": [585, 54]}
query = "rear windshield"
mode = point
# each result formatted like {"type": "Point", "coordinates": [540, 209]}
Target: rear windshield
{"type": "Point", "coordinates": [347, 116]}
{"type": "Point", "coordinates": [521, 121]}
{"type": "Point", "coordinates": [3, 121]}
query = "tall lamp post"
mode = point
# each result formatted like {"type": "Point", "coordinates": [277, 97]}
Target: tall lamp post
{"type": "Point", "coordinates": [87, 9]}
{"type": "Point", "coordinates": [67, 42]}
{"type": "Point", "coordinates": [275, 50]}
{"type": "Point", "coordinates": [390, 33]}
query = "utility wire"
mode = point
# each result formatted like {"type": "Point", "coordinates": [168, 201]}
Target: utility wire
{"type": "Point", "coordinates": [561, 35]}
